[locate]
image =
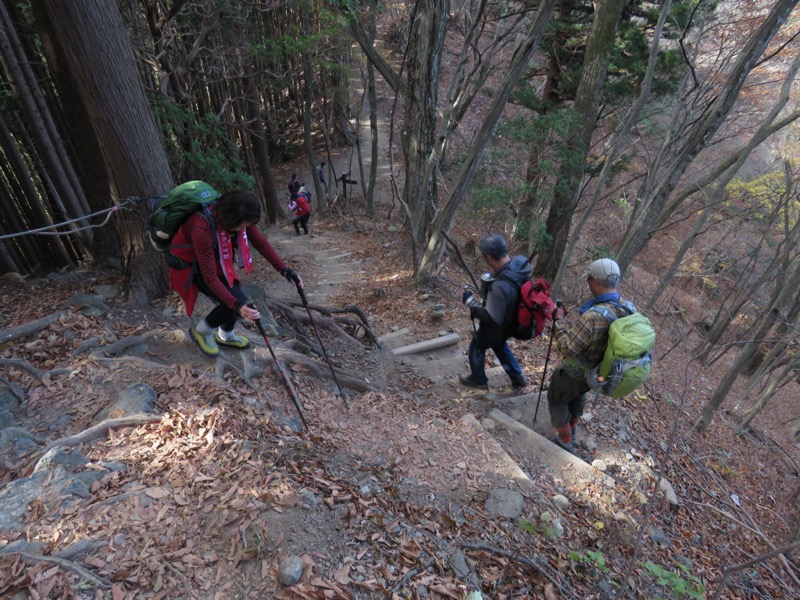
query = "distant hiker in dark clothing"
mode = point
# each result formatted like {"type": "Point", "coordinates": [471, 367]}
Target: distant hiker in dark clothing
{"type": "Point", "coordinates": [321, 173]}
{"type": "Point", "coordinates": [583, 344]}
{"type": "Point", "coordinates": [301, 209]}
{"type": "Point", "coordinates": [212, 251]}
{"type": "Point", "coordinates": [496, 312]}
{"type": "Point", "coordinates": [293, 185]}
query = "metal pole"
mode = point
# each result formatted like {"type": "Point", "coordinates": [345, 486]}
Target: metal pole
{"type": "Point", "coordinates": [319, 339]}
{"type": "Point", "coordinates": [295, 399]}
{"type": "Point", "coordinates": [546, 360]}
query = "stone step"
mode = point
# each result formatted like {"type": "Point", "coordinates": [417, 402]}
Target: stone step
{"type": "Point", "coordinates": [330, 257]}
{"type": "Point", "coordinates": [497, 459]}
{"type": "Point", "coordinates": [564, 464]}
{"type": "Point", "coordinates": [439, 366]}
{"type": "Point", "coordinates": [438, 342]}
{"type": "Point", "coordinates": [342, 266]}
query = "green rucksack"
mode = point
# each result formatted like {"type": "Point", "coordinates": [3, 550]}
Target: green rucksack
{"type": "Point", "coordinates": [167, 213]}
{"type": "Point", "coordinates": [627, 361]}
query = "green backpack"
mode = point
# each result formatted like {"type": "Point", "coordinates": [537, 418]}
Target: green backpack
{"type": "Point", "coordinates": [627, 361]}
{"type": "Point", "coordinates": [167, 213]}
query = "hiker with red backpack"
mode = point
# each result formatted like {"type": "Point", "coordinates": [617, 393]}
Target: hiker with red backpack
{"type": "Point", "coordinates": [208, 247]}
{"type": "Point", "coordinates": [583, 344]}
{"type": "Point", "coordinates": [300, 206]}
{"type": "Point", "coordinates": [496, 312]}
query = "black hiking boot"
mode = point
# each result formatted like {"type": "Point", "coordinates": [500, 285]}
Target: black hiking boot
{"type": "Point", "coordinates": [569, 446]}
{"type": "Point", "coordinates": [519, 383]}
{"type": "Point", "coordinates": [469, 381]}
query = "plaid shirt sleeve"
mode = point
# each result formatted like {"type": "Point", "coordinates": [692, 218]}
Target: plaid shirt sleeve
{"type": "Point", "coordinates": [586, 338]}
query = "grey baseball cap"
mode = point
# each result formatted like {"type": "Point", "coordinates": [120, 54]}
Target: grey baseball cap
{"type": "Point", "coordinates": [602, 269]}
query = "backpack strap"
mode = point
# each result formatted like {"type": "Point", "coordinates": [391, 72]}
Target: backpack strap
{"type": "Point", "coordinates": [175, 262]}
{"type": "Point", "coordinates": [608, 314]}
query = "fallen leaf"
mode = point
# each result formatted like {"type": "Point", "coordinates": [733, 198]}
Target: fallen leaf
{"type": "Point", "coordinates": [157, 493]}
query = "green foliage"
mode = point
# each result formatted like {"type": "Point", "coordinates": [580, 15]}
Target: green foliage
{"type": "Point", "coordinates": [200, 146]}
{"type": "Point", "coordinates": [760, 193]}
{"type": "Point", "coordinates": [596, 252]}
{"type": "Point", "coordinates": [623, 203]}
{"type": "Point", "coordinates": [688, 586]}
{"type": "Point", "coordinates": [549, 527]}
{"type": "Point", "coordinates": [567, 36]}
{"type": "Point", "coordinates": [593, 557]}
{"type": "Point", "coordinates": [497, 184]}
{"type": "Point", "coordinates": [527, 526]}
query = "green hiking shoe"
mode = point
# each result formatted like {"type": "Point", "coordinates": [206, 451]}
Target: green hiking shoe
{"type": "Point", "coordinates": [233, 341]}
{"type": "Point", "coordinates": [205, 342]}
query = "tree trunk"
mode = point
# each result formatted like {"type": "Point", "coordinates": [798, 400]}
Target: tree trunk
{"type": "Point", "coordinates": [92, 173]}
{"type": "Point", "coordinates": [418, 134]}
{"type": "Point", "coordinates": [765, 323]}
{"type": "Point", "coordinates": [445, 217]}
{"type": "Point", "coordinates": [372, 98]}
{"type": "Point", "coordinates": [50, 252]}
{"type": "Point", "coordinates": [98, 53]}
{"type": "Point", "coordinates": [587, 100]}
{"type": "Point", "coordinates": [763, 398]}
{"type": "Point", "coordinates": [639, 229]}
{"type": "Point", "coordinates": [41, 126]}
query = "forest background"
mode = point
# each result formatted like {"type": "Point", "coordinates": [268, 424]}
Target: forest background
{"type": "Point", "coordinates": [662, 134]}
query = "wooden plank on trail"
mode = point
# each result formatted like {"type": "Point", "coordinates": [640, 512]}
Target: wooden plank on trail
{"type": "Point", "coordinates": [563, 463]}
{"type": "Point", "coordinates": [439, 342]}
{"type": "Point", "coordinates": [394, 334]}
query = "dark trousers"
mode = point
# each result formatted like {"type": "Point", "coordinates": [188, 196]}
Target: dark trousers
{"type": "Point", "coordinates": [221, 315]}
{"type": "Point", "coordinates": [477, 356]}
{"type": "Point", "coordinates": [300, 221]}
{"type": "Point", "coordinates": [566, 397]}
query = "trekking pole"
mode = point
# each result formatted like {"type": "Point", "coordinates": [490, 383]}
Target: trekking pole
{"type": "Point", "coordinates": [559, 304]}
{"type": "Point", "coordinates": [319, 339]}
{"type": "Point", "coordinates": [295, 399]}
{"type": "Point", "coordinates": [474, 329]}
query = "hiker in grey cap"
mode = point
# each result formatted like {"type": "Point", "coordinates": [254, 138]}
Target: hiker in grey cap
{"type": "Point", "coordinates": [582, 342]}
{"type": "Point", "coordinates": [496, 312]}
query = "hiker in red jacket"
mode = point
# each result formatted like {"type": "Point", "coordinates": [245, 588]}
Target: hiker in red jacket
{"type": "Point", "coordinates": [301, 209]}
{"type": "Point", "coordinates": [212, 251]}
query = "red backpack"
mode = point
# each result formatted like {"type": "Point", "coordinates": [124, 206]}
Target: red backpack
{"type": "Point", "coordinates": [534, 309]}
{"type": "Point", "coordinates": [303, 207]}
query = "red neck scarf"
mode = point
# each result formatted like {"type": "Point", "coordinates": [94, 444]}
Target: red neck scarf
{"type": "Point", "coordinates": [226, 254]}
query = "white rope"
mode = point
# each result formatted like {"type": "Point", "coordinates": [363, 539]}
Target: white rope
{"type": "Point", "coordinates": [47, 230]}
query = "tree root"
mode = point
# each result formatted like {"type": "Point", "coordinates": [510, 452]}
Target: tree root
{"type": "Point", "coordinates": [324, 320]}
{"type": "Point", "coordinates": [522, 559]}
{"type": "Point", "coordinates": [111, 352]}
{"type": "Point", "coordinates": [322, 371]}
{"type": "Point", "coordinates": [40, 374]}
{"type": "Point", "coordinates": [97, 431]}
{"type": "Point", "coordinates": [20, 331]}
{"type": "Point", "coordinates": [100, 582]}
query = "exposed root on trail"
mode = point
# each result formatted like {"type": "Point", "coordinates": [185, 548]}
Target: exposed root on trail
{"type": "Point", "coordinates": [97, 431]}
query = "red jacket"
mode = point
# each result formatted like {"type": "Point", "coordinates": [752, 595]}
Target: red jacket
{"type": "Point", "coordinates": [199, 237]}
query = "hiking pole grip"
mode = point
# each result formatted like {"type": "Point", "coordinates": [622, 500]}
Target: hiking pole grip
{"type": "Point", "coordinates": [302, 295]}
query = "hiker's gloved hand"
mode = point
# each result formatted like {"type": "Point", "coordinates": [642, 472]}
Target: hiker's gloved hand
{"type": "Point", "coordinates": [469, 300]}
{"type": "Point", "coordinates": [292, 277]}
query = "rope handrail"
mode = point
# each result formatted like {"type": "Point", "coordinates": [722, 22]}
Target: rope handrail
{"type": "Point", "coordinates": [48, 229]}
